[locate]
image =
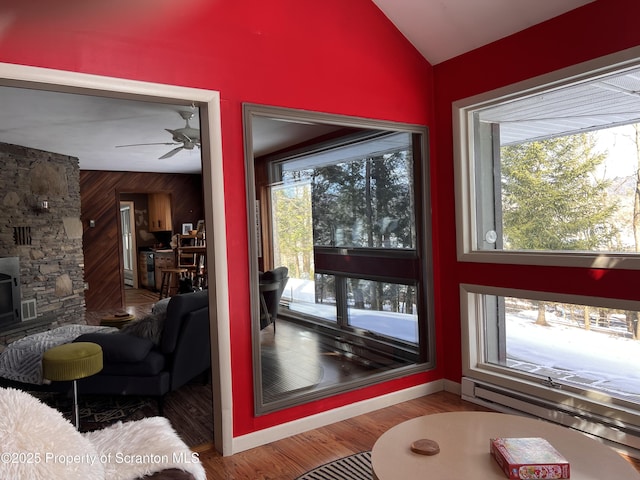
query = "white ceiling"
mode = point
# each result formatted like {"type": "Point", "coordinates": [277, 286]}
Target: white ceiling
{"type": "Point", "coordinates": [90, 128]}
{"type": "Point", "coordinates": [443, 29]}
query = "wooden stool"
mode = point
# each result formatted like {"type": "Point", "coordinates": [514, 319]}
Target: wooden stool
{"type": "Point", "coordinates": [168, 281]}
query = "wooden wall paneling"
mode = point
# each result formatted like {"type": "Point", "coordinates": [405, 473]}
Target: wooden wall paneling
{"type": "Point", "coordinates": [99, 194]}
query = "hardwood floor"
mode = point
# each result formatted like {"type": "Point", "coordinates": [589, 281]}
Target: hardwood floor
{"type": "Point", "coordinates": [291, 457]}
{"type": "Point", "coordinates": [138, 303]}
{"type": "Point", "coordinates": [296, 359]}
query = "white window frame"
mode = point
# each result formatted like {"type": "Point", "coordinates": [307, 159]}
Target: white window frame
{"type": "Point", "coordinates": [590, 412]}
{"type": "Point", "coordinates": [475, 364]}
{"type": "Point", "coordinates": [465, 174]}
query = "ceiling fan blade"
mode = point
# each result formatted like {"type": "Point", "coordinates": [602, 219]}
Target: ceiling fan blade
{"type": "Point", "coordinates": [171, 153]}
{"type": "Point", "coordinates": [142, 144]}
{"type": "Point", "coordinates": [178, 136]}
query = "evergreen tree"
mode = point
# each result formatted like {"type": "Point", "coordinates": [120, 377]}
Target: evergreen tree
{"type": "Point", "coordinates": [552, 199]}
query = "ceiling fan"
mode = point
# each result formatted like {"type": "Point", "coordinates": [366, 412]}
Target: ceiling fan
{"type": "Point", "coordinates": [186, 137]}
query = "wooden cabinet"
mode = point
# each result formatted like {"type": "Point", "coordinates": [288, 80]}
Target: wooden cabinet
{"type": "Point", "coordinates": [160, 212]}
{"type": "Point", "coordinates": [163, 259]}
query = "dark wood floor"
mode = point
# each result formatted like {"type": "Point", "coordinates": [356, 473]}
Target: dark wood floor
{"type": "Point", "coordinates": [138, 303]}
{"type": "Point", "coordinates": [297, 360]}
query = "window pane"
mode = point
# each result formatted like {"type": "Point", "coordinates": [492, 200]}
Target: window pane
{"type": "Point", "coordinates": [312, 297]}
{"type": "Point", "coordinates": [357, 194]}
{"type": "Point", "coordinates": [586, 347]}
{"type": "Point", "coordinates": [305, 292]}
{"type": "Point", "coordinates": [557, 171]}
{"type": "Point", "coordinates": [362, 193]}
{"type": "Point", "coordinates": [554, 199]}
{"type": "Point", "coordinates": [292, 236]}
{"type": "Point", "coordinates": [388, 309]}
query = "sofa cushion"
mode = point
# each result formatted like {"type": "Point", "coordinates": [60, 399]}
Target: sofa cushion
{"type": "Point", "coordinates": [160, 307]}
{"type": "Point", "coordinates": [119, 347]}
{"type": "Point", "coordinates": [178, 308]}
{"type": "Point", "coordinates": [152, 364]}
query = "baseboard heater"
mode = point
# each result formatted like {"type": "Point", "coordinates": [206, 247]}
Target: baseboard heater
{"type": "Point", "coordinates": [624, 438]}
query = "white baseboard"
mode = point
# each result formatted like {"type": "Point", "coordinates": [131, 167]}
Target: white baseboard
{"type": "Point", "coordinates": [452, 387]}
{"type": "Point", "coordinates": [278, 432]}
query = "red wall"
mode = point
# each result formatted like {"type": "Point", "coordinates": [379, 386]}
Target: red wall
{"type": "Point", "coordinates": [597, 29]}
{"type": "Point", "coordinates": [332, 56]}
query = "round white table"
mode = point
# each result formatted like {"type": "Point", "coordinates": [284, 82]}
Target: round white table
{"type": "Point", "coordinates": [464, 448]}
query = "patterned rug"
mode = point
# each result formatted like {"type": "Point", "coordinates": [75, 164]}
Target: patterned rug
{"type": "Point", "coordinates": [353, 467]}
{"type": "Point", "coordinates": [189, 409]}
{"type": "Point", "coordinates": [98, 411]}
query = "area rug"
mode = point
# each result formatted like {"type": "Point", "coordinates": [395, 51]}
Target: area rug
{"type": "Point", "coordinates": [97, 411]}
{"type": "Point", "coordinates": [353, 467]}
{"type": "Point", "coordinates": [189, 409]}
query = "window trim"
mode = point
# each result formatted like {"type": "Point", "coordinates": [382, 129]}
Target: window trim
{"type": "Point", "coordinates": [465, 176]}
{"type": "Point", "coordinates": [421, 142]}
{"type": "Point", "coordinates": [475, 366]}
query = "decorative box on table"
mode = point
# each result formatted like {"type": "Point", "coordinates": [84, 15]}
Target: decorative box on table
{"type": "Point", "coordinates": [525, 458]}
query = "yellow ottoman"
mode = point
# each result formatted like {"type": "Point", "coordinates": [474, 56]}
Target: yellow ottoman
{"type": "Point", "coordinates": [71, 362]}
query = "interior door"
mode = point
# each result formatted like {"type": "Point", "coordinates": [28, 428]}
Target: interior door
{"type": "Point", "coordinates": [130, 266]}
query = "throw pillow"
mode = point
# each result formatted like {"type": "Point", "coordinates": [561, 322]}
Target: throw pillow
{"type": "Point", "coordinates": [160, 307]}
{"type": "Point", "coordinates": [149, 327]}
{"type": "Point", "coordinates": [37, 442]}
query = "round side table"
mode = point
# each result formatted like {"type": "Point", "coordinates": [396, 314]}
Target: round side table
{"type": "Point", "coordinates": [464, 439]}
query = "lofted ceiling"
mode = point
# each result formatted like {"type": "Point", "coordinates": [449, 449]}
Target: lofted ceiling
{"type": "Point", "coordinates": [90, 128]}
{"type": "Point", "coordinates": [443, 29]}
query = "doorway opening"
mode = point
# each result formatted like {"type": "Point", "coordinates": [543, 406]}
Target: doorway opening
{"type": "Point", "coordinates": [128, 236]}
{"type": "Point", "coordinates": [40, 79]}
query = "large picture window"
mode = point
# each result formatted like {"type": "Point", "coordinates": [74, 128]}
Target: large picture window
{"type": "Point", "coordinates": [547, 174]}
{"type": "Point", "coordinates": [554, 169]}
{"type": "Point", "coordinates": [342, 205]}
{"type": "Point", "coordinates": [338, 215]}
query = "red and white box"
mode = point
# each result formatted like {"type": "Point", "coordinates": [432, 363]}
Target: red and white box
{"type": "Point", "coordinates": [526, 458]}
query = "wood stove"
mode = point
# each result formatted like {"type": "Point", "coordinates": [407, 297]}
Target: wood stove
{"type": "Point", "coordinates": [9, 291]}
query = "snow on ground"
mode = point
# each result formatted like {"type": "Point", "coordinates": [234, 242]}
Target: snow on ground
{"type": "Point", "coordinates": [397, 325]}
{"type": "Point", "coordinates": [604, 361]}
{"type": "Point", "coordinates": [600, 360]}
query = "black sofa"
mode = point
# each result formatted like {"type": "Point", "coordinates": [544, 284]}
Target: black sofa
{"type": "Point", "coordinates": [134, 365]}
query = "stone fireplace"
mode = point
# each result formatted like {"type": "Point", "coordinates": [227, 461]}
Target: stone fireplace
{"type": "Point", "coordinates": [9, 291]}
{"type": "Point", "coordinates": [41, 228]}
